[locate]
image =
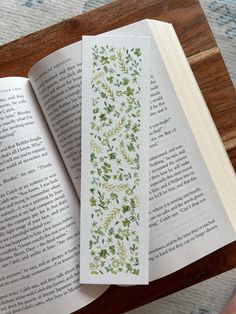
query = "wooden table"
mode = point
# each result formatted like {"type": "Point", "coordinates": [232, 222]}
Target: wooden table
{"type": "Point", "coordinates": [204, 56]}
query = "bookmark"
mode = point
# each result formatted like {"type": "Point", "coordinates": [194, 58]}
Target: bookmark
{"type": "Point", "coordinates": [115, 160]}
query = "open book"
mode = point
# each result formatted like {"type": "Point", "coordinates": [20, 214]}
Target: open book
{"type": "Point", "coordinates": [192, 184]}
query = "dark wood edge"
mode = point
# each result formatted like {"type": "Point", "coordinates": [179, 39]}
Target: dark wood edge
{"type": "Point", "coordinates": [121, 299]}
{"type": "Point", "coordinates": [18, 57]}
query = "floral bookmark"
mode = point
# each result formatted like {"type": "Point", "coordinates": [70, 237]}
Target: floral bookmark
{"type": "Point", "coordinates": [115, 160]}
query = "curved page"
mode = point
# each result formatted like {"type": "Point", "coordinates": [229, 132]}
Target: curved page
{"type": "Point", "coordinates": [39, 213]}
{"type": "Point", "coordinates": [56, 81]}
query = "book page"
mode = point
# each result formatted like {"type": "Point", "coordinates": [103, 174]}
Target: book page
{"type": "Point", "coordinates": [56, 81]}
{"type": "Point", "coordinates": [115, 156]}
{"type": "Point", "coordinates": [39, 213]}
{"type": "Point", "coordinates": [207, 136]}
{"type": "Point", "coordinates": [187, 217]}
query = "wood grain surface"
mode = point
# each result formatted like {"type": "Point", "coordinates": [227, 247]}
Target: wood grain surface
{"type": "Point", "coordinates": [199, 45]}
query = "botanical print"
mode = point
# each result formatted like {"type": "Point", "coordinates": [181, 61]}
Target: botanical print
{"type": "Point", "coordinates": [114, 160]}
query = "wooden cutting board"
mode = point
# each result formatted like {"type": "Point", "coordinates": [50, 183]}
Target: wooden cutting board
{"type": "Point", "coordinates": [16, 58]}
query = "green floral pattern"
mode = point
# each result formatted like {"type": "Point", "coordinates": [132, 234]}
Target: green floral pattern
{"type": "Point", "coordinates": [114, 160]}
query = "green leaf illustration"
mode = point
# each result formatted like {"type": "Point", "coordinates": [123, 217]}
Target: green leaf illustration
{"type": "Point", "coordinates": [107, 89]}
{"type": "Point", "coordinates": [103, 253]}
{"type": "Point", "coordinates": [121, 252]}
{"type": "Point", "coordinates": [93, 201]}
{"type": "Point", "coordinates": [96, 148]}
{"type": "Point", "coordinates": [98, 76]}
{"type": "Point", "coordinates": [121, 62]}
{"type": "Point", "coordinates": [110, 218]}
{"type": "Point", "coordinates": [94, 268]}
{"type": "Point", "coordinates": [126, 222]}
{"type": "Point", "coordinates": [135, 272]}
{"type": "Point", "coordinates": [124, 154]}
{"type": "Point", "coordinates": [115, 187]}
{"type": "Point", "coordinates": [137, 52]}
{"type": "Point", "coordinates": [116, 129]}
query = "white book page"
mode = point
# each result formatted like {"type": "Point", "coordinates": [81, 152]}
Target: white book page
{"type": "Point", "coordinates": [56, 81]}
{"type": "Point", "coordinates": [39, 213]}
{"type": "Point", "coordinates": [115, 156]}
{"type": "Point", "coordinates": [187, 218]}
